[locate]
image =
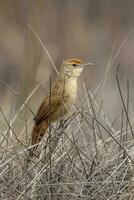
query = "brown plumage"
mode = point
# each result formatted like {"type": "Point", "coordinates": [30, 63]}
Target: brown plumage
{"type": "Point", "coordinates": [63, 95]}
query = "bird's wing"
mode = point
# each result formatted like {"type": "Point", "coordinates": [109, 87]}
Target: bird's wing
{"type": "Point", "coordinates": [47, 108]}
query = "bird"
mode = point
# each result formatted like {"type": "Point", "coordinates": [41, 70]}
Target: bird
{"type": "Point", "coordinates": [56, 105]}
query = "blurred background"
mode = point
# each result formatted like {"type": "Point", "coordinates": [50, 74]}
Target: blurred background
{"type": "Point", "coordinates": [97, 31]}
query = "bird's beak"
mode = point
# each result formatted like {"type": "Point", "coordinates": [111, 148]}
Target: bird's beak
{"type": "Point", "coordinates": [86, 64]}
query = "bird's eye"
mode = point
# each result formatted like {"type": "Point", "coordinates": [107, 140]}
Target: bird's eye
{"type": "Point", "coordinates": [74, 65]}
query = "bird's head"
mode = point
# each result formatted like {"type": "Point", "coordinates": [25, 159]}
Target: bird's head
{"type": "Point", "coordinates": [74, 67]}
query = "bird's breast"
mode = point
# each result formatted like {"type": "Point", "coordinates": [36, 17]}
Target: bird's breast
{"type": "Point", "coordinates": [69, 96]}
{"type": "Point", "coordinates": [71, 89]}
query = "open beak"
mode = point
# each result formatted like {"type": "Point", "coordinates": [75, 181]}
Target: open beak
{"type": "Point", "coordinates": [86, 64]}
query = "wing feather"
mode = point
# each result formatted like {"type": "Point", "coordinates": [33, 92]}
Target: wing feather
{"type": "Point", "coordinates": [47, 108]}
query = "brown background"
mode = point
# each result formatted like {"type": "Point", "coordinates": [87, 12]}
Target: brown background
{"type": "Point", "coordinates": [86, 29]}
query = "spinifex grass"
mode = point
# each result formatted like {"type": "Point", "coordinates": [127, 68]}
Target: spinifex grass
{"type": "Point", "coordinates": [83, 157]}
{"type": "Point", "coordinates": [90, 159]}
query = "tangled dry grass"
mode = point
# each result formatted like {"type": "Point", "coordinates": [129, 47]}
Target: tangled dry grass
{"type": "Point", "coordinates": [83, 157]}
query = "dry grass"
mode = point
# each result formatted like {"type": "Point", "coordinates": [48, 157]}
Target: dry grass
{"type": "Point", "coordinates": [84, 157]}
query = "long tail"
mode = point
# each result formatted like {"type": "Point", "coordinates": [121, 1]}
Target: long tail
{"type": "Point", "coordinates": [37, 134]}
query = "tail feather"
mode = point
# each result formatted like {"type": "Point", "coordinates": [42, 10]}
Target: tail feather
{"type": "Point", "coordinates": [38, 133]}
